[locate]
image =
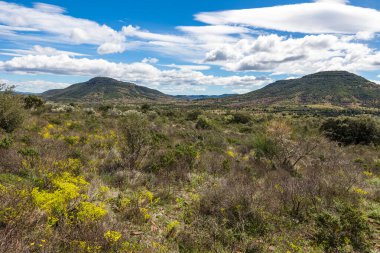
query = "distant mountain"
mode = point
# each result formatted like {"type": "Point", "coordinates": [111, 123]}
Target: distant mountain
{"type": "Point", "coordinates": [104, 89]}
{"type": "Point", "coordinates": [339, 88]}
{"type": "Point", "coordinates": [199, 97]}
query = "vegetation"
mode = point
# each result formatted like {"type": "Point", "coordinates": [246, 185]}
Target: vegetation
{"type": "Point", "coordinates": [337, 88]}
{"type": "Point", "coordinates": [164, 178]}
{"type": "Point", "coordinates": [11, 109]}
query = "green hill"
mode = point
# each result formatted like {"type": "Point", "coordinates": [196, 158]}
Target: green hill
{"type": "Point", "coordinates": [338, 88]}
{"type": "Point", "coordinates": [104, 89]}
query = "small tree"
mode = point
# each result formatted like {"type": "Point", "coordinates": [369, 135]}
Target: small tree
{"type": "Point", "coordinates": [12, 113]}
{"type": "Point", "coordinates": [33, 101]}
{"type": "Point", "coordinates": [349, 131]}
{"type": "Point", "coordinates": [136, 141]}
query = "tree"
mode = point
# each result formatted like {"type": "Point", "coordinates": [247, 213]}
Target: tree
{"type": "Point", "coordinates": [12, 113]}
{"type": "Point", "coordinates": [136, 140]}
{"type": "Point", "coordinates": [33, 101]}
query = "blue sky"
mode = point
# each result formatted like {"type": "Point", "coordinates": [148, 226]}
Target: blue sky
{"type": "Point", "coordinates": [185, 47]}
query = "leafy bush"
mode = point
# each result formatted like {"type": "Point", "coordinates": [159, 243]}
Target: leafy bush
{"type": "Point", "coordinates": [193, 115]}
{"type": "Point", "coordinates": [347, 228]}
{"type": "Point", "coordinates": [12, 113]}
{"type": "Point", "coordinates": [240, 118]}
{"type": "Point", "coordinates": [351, 131]}
{"type": "Point", "coordinates": [136, 140]}
{"type": "Point", "coordinates": [203, 123]}
{"type": "Point", "coordinates": [6, 142]}
{"type": "Point", "coordinates": [33, 101]}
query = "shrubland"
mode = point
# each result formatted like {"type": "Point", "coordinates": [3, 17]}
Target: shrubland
{"type": "Point", "coordinates": [156, 178]}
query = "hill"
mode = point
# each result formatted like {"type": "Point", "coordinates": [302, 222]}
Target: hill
{"type": "Point", "coordinates": [104, 89]}
{"type": "Point", "coordinates": [339, 88]}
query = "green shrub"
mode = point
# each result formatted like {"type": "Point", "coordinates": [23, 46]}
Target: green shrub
{"type": "Point", "coordinates": [33, 101]}
{"type": "Point", "coordinates": [240, 118]}
{"type": "Point", "coordinates": [12, 113]}
{"type": "Point", "coordinates": [6, 142]}
{"type": "Point", "coordinates": [203, 123]}
{"type": "Point", "coordinates": [136, 140]}
{"type": "Point", "coordinates": [351, 131]}
{"type": "Point", "coordinates": [346, 228]}
{"type": "Point", "coordinates": [193, 115]}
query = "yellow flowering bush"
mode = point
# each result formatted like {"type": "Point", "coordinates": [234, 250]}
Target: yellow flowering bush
{"type": "Point", "coordinates": [90, 212]}
{"type": "Point", "coordinates": [112, 236]}
{"type": "Point", "coordinates": [66, 189]}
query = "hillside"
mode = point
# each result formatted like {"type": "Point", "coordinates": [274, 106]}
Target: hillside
{"type": "Point", "coordinates": [339, 88]}
{"type": "Point", "coordinates": [104, 89]}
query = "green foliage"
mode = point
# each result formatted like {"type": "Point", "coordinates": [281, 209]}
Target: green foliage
{"type": "Point", "coordinates": [135, 130]}
{"type": "Point", "coordinates": [12, 113]}
{"type": "Point", "coordinates": [352, 131]}
{"type": "Point", "coordinates": [240, 118]}
{"type": "Point", "coordinates": [203, 123]}
{"type": "Point", "coordinates": [28, 152]}
{"type": "Point", "coordinates": [145, 107]}
{"type": "Point", "coordinates": [193, 115]}
{"type": "Point", "coordinates": [33, 101]}
{"type": "Point", "coordinates": [346, 228]}
{"type": "Point", "coordinates": [6, 142]}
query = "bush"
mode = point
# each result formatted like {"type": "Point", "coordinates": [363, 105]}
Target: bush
{"type": "Point", "coordinates": [33, 101]}
{"type": "Point", "coordinates": [351, 131]}
{"type": "Point", "coordinates": [203, 123]}
{"type": "Point", "coordinates": [12, 113]}
{"type": "Point", "coordinates": [193, 115]}
{"type": "Point", "coordinates": [135, 130]}
{"type": "Point", "coordinates": [240, 118]}
{"type": "Point", "coordinates": [347, 228]}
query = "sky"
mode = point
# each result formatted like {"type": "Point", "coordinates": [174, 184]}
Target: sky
{"type": "Point", "coordinates": [185, 47]}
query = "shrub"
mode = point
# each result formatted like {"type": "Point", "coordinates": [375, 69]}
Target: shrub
{"type": "Point", "coordinates": [6, 142]}
{"type": "Point", "coordinates": [136, 140]}
{"type": "Point", "coordinates": [203, 123]}
{"type": "Point", "coordinates": [346, 228]}
{"type": "Point", "coordinates": [33, 102]}
{"type": "Point", "coordinates": [12, 113]}
{"type": "Point", "coordinates": [240, 118]}
{"type": "Point", "coordinates": [145, 107]}
{"type": "Point", "coordinates": [193, 115]}
{"type": "Point", "coordinates": [351, 131]}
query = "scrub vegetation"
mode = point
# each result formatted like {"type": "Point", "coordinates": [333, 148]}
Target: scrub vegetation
{"type": "Point", "coordinates": [159, 178]}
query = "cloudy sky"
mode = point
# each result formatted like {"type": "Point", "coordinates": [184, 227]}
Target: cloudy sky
{"type": "Point", "coordinates": [188, 46]}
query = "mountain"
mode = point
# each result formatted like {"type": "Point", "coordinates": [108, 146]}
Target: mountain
{"type": "Point", "coordinates": [104, 89]}
{"type": "Point", "coordinates": [199, 97]}
{"type": "Point", "coordinates": [338, 88]}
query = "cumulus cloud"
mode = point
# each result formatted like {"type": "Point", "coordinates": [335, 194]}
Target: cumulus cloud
{"type": "Point", "coordinates": [322, 16]}
{"type": "Point", "coordinates": [281, 54]}
{"type": "Point", "coordinates": [139, 72]}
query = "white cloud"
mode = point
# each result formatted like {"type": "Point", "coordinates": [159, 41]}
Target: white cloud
{"type": "Point", "coordinates": [140, 73]}
{"type": "Point", "coordinates": [150, 60]}
{"type": "Point", "coordinates": [287, 55]}
{"type": "Point", "coordinates": [51, 21]}
{"type": "Point", "coordinates": [131, 31]}
{"type": "Point", "coordinates": [38, 50]}
{"type": "Point", "coordinates": [214, 29]}
{"type": "Point", "coordinates": [188, 67]}
{"type": "Point", "coordinates": [323, 16]}
{"type": "Point", "coordinates": [35, 86]}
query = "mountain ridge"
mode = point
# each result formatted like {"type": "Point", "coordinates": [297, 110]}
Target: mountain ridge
{"type": "Point", "coordinates": [340, 88]}
{"type": "Point", "coordinates": [103, 88]}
